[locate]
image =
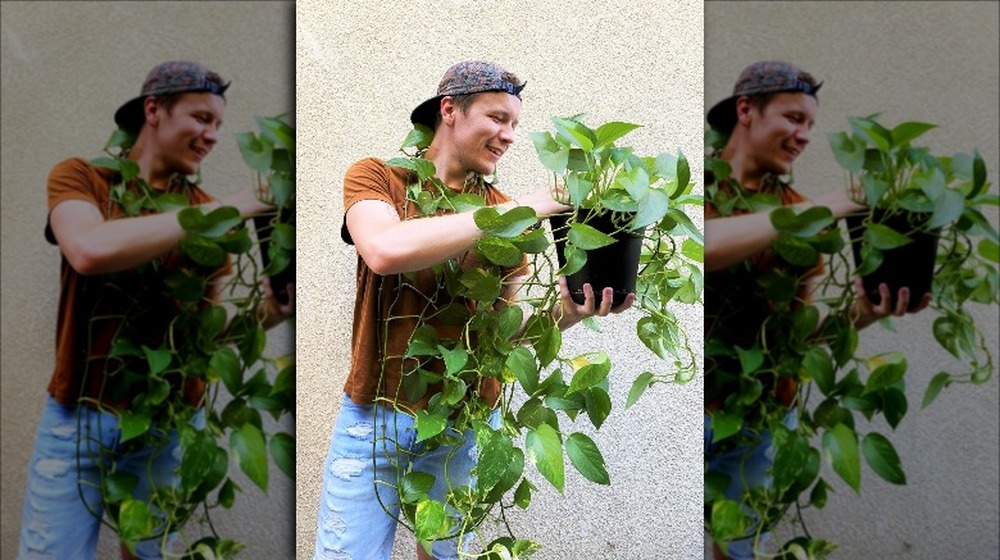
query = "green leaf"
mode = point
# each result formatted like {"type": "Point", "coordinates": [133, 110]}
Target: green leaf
{"type": "Point", "coordinates": [544, 448]}
{"type": "Point", "coordinates": [552, 155]}
{"type": "Point", "coordinates": [939, 382]}
{"type": "Point", "coordinates": [499, 251]}
{"type": "Point", "coordinates": [652, 208]}
{"type": "Point", "coordinates": [135, 521]}
{"type": "Point", "coordinates": [282, 448]}
{"type": "Point", "coordinates": [225, 365]}
{"type": "Point", "coordinates": [598, 405]}
{"type": "Point", "coordinates": [725, 424]}
{"type": "Point", "coordinates": [256, 153]}
{"type": "Point", "coordinates": [429, 425]}
{"type": "Point", "coordinates": [750, 360]}
{"type": "Point", "coordinates": [804, 224]}
{"type": "Point", "coordinates": [578, 188]}
{"type": "Point", "coordinates": [693, 250]}
{"type": "Point", "coordinates": [118, 486]}
{"type": "Point", "coordinates": [587, 237]}
{"type": "Point", "coordinates": [795, 250]}
{"type": "Point", "coordinates": [480, 286]}
{"type": "Point", "coordinates": [906, 132]}
{"type": "Point", "coordinates": [882, 458]}
{"type": "Point", "coordinates": [522, 364]}
{"type": "Point", "coordinates": [248, 444]}
{"type": "Point", "coordinates": [423, 342]}
{"type": "Point", "coordinates": [873, 132]}
{"type": "Point", "coordinates": [575, 259]}
{"type": "Point", "coordinates": [818, 365]}
{"type": "Point", "coordinates": [158, 359]}
{"type": "Point", "coordinates": [607, 133]}
{"type": "Point", "coordinates": [227, 494]}
{"type": "Point", "coordinates": [522, 496]}
{"type": "Point", "coordinates": [532, 242]}
{"type": "Point", "coordinates": [419, 137]}
{"type": "Point", "coordinates": [133, 423]}
{"type": "Point", "coordinates": [947, 209]}
{"type": "Point", "coordinates": [883, 237]}
{"type": "Point", "coordinates": [496, 451]}
{"type": "Point", "coordinates": [509, 224]}
{"type": "Point", "coordinates": [415, 486]}
{"type": "Point", "coordinates": [575, 132]}
{"type": "Point", "coordinates": [203, 251]}
{"type": "Point", "coordinates": [840, 446]}
{"type": "Point", "coordinates": [454, 360]}
{"type": "Point", "coordinates": [586, 458]}
{"type": "Point", "coordinates": [848, 155]}
{"type": "Point", "coordinates": [989, 250]}
{"type": "Point", "coordinates": [430, 520]}
{"type": "Point", "coordinates": [886, 375]}
{"type": "Point", "coordinates": [644, 381]}
{"type": "Point", "coordinates": [591, 374]}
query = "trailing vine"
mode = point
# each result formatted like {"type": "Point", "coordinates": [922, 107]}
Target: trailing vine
{"type": "Point", "coordinates": [491, 318]}
{"type": "Point", "coordinates": [207, 305]}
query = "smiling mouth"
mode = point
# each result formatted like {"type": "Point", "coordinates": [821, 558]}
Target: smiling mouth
{"type": "Point", "coordinates": [496, 151]}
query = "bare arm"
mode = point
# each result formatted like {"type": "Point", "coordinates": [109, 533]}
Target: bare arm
{"type": "Point", "coordinates": [732, 239]}
{"type": "Point", "coordinates": [93, 245]}
{"type": "Point", "coordinates": [389, 245]}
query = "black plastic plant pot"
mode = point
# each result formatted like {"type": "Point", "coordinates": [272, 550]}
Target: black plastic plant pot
{"type": "Point", "coordinates": [614, 266]}
{"type": "Point", "coordinates": [281, 280]}
{"type": "Point", "coordinates": [911, 265]}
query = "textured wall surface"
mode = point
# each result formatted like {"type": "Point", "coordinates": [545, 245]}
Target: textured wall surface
{"type": "Point", "coordinates": [67, 66]}
{"type": "Point", "coordinates": [923, 61]}
{"type": "Point", "coordinates": [361, 68]}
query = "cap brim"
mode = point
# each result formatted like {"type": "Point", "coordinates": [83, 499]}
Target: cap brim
{"type": "Point", "coordinates": [722, 116]}
{"type": "Point", "coordinates": [131, 116]}
{"type": "Point", "coordinates": [426, 112]}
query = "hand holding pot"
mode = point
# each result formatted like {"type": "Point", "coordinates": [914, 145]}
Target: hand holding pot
{"type": "Point", "coordinates": [545, 201]}
{"type": "Point", "coordinates": [569, 313]}
{"type": "Point", "coordinates": [864, 313]}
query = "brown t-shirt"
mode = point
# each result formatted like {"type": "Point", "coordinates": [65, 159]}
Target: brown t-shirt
{"type": "Point", "coordinates": [387, 308]}
{"type": "Point", "coordinates": [93, 309]}
{"type": "Point", "coordinates": [722, 284]}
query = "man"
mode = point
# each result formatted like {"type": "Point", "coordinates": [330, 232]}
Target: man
{"type": "Point", "coordinates": [108, 260]}
{"type": "Point", "coordinates": [473, 115]}
{"type": "Point", "coordinates": [768, 122]}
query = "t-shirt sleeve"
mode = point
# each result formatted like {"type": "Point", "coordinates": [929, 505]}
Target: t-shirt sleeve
{"type": "Point", "coordinates": [72, 179]}
{"type": "Point", "coordinates": [368, 179]}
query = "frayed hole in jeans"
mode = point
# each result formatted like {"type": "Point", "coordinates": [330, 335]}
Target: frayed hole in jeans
{"type": "Point", "coordinates": [346, 468]}
{"type": "Point", "coordinates": [361, 430]}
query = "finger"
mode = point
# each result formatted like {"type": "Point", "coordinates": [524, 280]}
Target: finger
{"type": "Point", "coordinates": [607, 298]}
{"type": "Point", "coordinates": [886, 296]}
{"type": "Point", "coordinates": [902, 301]}
{"type": "Point", "coordinates": [588, 299]}
{"type": "Point", "coordinates": [629, 300]}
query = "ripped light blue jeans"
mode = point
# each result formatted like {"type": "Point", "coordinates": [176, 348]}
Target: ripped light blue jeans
{"type": "Point", "coordinates": [62, 502]}
{"type": "Point", "coordinates": [746, 468]}
{"type": "Point", "coordinates": [357, 516]}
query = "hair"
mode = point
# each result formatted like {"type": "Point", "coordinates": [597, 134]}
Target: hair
{"type": "Point", "coordinates": [464, 100]}
{"type": "Point", "coordinates": [761, 101]}
{"type": "Point", "coordinates": [167, 101]}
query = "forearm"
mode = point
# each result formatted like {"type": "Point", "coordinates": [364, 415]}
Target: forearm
{"type": "Point", "coordinates": [733, 239]}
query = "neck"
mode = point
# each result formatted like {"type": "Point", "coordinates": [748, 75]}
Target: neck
{"type": "Point", "coordinates": [447, 164]}
{"type": "Point", "coordinates": [151, 165]}
{"type": "Point", "coordinates": [745, 170]}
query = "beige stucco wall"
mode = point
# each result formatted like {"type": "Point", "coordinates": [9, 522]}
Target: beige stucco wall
{"type": "Point", "coordinates": [361, 68]}
{"type": "Point", "coordinates": [67, 67]}
{"type": "Point", "coordinates": [925, 61]}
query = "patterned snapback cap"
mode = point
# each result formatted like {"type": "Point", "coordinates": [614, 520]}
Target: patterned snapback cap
{"type": "Point", "coordinates": [472, 76]}
{"type": "Point", "coordinates": [175, 76]}
{"type": "Point", "coordinates": [769, 76]}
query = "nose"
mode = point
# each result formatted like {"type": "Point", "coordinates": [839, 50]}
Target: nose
{"type": "Point", "coordinates": [507, 133]}
{"type": "Point", "coordinates": [211, 134]}
{"type": "Point", "coordinates": [803, 134]}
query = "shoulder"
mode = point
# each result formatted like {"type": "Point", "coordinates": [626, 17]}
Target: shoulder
{"type": "Point", "coordinates": [77, 178]}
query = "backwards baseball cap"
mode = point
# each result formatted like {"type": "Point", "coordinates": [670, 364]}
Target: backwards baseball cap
{"type": "Point", "coordinates": [175, 76]}
{"type": "Point", "coordinates": [472, 76]}
{"type": "Point", "coordinates": [769, 76]}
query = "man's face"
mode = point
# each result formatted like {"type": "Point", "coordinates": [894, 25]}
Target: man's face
{"type": "Point", "coordinates": [188, 131]}
{"type": "Point", "coordinates": [485, 131]}
{"type": "Point", "coordinates": [780, 132]}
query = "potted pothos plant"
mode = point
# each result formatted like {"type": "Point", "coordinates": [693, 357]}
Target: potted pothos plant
{"type": "Point", "coordinates": [518, 342]}
{"type": "Point", "coordinates": [222, 341]}
{"type": "Point", "coordinates": [814, 342]}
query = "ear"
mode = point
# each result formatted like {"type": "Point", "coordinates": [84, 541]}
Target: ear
{"type": "Point", "coordinates": [743, 110]}
{"type": "Point", "coordinates": [449, 110]}
{"type": "Point", "coordinates": [150, 107]}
